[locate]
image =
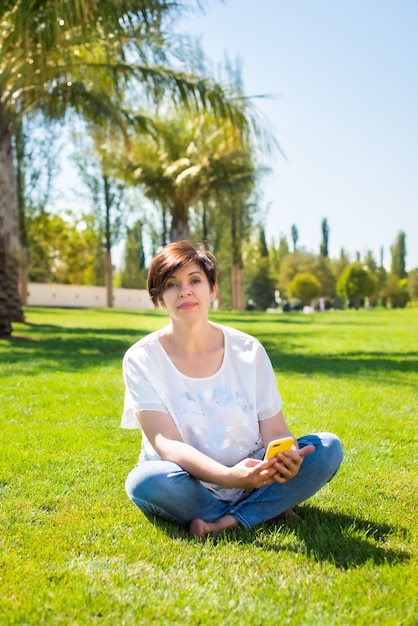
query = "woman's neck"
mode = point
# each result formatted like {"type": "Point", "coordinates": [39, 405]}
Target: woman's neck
{"type": "Point", "coordinates": [195, 339]}
{"type": "Point", "coordinates": [198, 353]}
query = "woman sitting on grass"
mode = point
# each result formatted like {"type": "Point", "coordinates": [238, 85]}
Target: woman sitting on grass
{"type": "Point", "coordinates": [206, 399]}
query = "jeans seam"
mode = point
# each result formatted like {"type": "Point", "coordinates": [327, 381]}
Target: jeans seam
{"type": "Point", "coordinates": [253, 497]}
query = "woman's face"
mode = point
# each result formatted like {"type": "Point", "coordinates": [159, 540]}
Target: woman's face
{"type": "Point", "coordinates": [187, 293]}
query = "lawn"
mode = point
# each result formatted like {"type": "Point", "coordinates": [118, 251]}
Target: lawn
{"type": "Point", "coordinates": [75, 551]}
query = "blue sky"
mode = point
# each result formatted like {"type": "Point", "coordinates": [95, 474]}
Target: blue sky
{"type": "Point", "coordinates": [345, 77]}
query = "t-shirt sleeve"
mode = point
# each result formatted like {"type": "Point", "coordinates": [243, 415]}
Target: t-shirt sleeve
{"type": "Point", "coordinates": [140, 391]}
{"type": "Point", "coordinates": [269, 401]}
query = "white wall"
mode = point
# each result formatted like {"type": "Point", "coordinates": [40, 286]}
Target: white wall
{"type": "Point", "coordinates": [42, 294]}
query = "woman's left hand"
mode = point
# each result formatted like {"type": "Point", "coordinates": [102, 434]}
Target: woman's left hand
{"type": "Point", "coordinates": [288, 464]}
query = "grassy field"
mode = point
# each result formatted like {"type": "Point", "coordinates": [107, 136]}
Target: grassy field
{"type": "Point", "coordinates": [75, 551]}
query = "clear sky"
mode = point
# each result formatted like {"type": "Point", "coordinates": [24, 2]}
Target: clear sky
{"type": "Point", "coordinates": [345, 77]}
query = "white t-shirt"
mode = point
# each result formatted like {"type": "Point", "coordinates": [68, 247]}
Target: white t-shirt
{"type": "Point", "coordinates": [219, 414]}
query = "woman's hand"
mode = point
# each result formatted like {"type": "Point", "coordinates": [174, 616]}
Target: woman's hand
{"type": "Point", "coordinates": [287, 464]}
{"type": "Point", "coordinates": [253, 474]}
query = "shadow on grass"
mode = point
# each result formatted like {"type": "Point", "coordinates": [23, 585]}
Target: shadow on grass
{"type": "Point", "coordinates": [230, 319]}
{"type": "Point", "coordinates": [83, 348]}
{"type": "Point", "coordinates": [345, 364]}
{"type": "Point", "coordinates": [345, 541]}
{"type": "Point", "coordinates": [73, 348]}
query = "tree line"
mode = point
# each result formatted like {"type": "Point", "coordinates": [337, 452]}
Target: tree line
{"type": "Point", "coordinates": [274, 273]}
{"type": "Point", "coordinates": [297, 277]}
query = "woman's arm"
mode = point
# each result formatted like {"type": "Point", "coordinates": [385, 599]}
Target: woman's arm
{"type": "Point", "coordinates": [275, 428]}
{"type": "Point", "coordinates": [165, 438]}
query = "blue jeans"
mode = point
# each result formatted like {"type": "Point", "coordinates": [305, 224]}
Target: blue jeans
{"type": "Point", "coordinates": [163, 489]}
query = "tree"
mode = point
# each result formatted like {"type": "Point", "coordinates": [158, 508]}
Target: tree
{"type": "Point", "coordinates": [325, 237]}
{"type": "Point", "coordinates": [64, 251]}
{"type": "Point", "coordinates": [229, 223]}
{"type": "Point", "coordinates": [413, 284]}
{"type": "Point", "coordinates": [133, 273]}
{"type": "Point", "coordinates": [108, 198]}
{"type": "Point", "coordinates": [276, 255]}
{"type": "Point", "coordinates": [169, 168]}
{"type": "Point", "coordinates": [296, 262]}
{"type": "Point", "coordinates": [295, 236]}
{"type": "Point", "coordinates": [283, 248]}
{"type": "Point", "coordinates": [81, 55]}
{"type": "Point", "coordinates": [381, 277]}
{"type": "Point", "coordinates": [355, 283]}
{"type": "Point", "coordinates": [370, 262]}
{"type": "Point", "coordinates": [321, 268]}
{"type": "Point", "coordinates": [338, 265]}
{"type": "Point", "coordinates": [260, 282]}
{"type": "Point", "coordinates": [382, 253]}
{"type": "Point", "coordinates": [398, 256]}
{"type": "Point", "coordinates": [181, 166]}
{"type": "Point", "coordinates": [263, 243]}
{"type": "Point", "coordinates": [261, 285]}
{"type": "Point", "coordinates": [201, 172]}
{"type": "Point", "coordinates": [36, 158]}
{"type": "Point", "coordinates": [302, 262]}
{"type": "Point", "coordinates": [395, 291]}
{"type": "Point", "coordinates": [305, 287]}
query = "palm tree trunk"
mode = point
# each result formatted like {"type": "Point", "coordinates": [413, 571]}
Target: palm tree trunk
{"type": "Point", "coordinates": [180, 228]}
{"type": "Point", "coordinates": [10, 306]}
{"type": "Point", "coordinates": [108, 243]}
{"type": "Point", "coordinates": [23, 275]}
{"type": "Point", "coordinates": [108, 278]}
{"type": "Point", "coordinates": [23, 235]}
{"type": "Point", "coordinates": [237, 278]}
{"type": "Point", "coordinates": [238, 300]}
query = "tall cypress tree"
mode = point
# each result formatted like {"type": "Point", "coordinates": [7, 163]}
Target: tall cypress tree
{"type": "Point", "coordinates": [325, 237]}
{"type": "Point", "coordinates": [398, 256]}
{"type": "Point", "coordinates": [295, 236]}
{"type": "Point", "coordinates": [263, 243]}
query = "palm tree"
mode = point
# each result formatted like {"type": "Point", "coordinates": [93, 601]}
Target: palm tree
{"type": "Point", "coordinates": [172, 168]}
{"type": "Point", "coordinates": [58, 56]}
{"type": "Point", "coordinates": [197, 167]}
{"type": "Point", "coordinates": [187, 163]}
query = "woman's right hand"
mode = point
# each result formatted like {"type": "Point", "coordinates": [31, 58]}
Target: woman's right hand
{"type": "Point", "coordinates": [251, 474]}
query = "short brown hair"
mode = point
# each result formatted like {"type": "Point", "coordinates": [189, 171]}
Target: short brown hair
{"type": "Point", "coordinates": [173, 257]}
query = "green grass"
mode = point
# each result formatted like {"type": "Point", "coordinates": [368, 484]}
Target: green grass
{"type": "Point", "coordinates": [75, 551]}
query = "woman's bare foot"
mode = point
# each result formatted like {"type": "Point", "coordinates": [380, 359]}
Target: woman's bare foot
{"type": "Point", "coordinates": [199, 528]}
{"type": "Point", "coordinates": [290, 514]}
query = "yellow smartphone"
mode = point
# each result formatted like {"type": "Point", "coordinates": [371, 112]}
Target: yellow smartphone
{"type": "Point", "coordinates": [278, 445]}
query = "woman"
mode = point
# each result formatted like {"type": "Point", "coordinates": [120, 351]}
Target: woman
{"type": "Point", "coordinates": [206, 399]}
